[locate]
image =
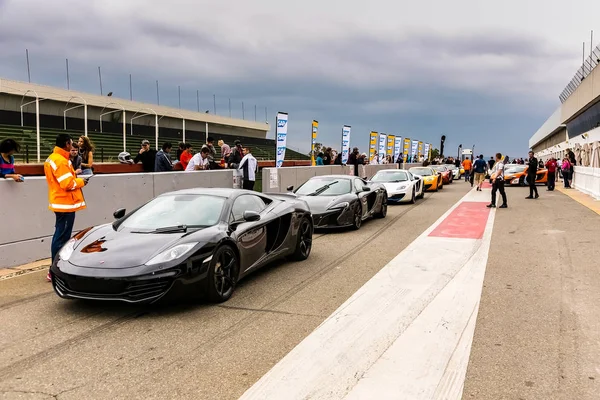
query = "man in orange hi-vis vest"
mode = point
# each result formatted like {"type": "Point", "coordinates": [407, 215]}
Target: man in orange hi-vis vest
{"type": "Point", "coordinates": [64, 192]}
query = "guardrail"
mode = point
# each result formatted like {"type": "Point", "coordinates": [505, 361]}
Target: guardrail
{"type": "Point", "coordinates": [587, 180]}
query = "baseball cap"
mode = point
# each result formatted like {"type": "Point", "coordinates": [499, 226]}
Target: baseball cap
{"type": "Point", "coordinates": [145, 142]}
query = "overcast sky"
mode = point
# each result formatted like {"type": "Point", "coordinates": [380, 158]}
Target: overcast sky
{"type": "Point", "coordinates": [480, 72]}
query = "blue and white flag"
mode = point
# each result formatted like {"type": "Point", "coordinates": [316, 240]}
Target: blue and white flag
{"type": "Point", "coordinates": [345, 143]}
{"type": "Point", "coordinates": [281, 137]}
{"type": "Point", "coordinates": [382, 140]}
{"type": "Point", "coordinates": [397, 147]}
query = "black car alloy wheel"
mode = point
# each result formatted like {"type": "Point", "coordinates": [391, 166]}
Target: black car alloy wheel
{"type": "Point", "coordinates": [304, 244]}
{"type": "Point", "coordinates": [223, 273]}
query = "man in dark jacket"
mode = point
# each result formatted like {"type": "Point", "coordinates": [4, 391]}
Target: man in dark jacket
{"type": "Point", "coordinates": [532, 166]}
{"type": "Point", "coordinates": [163, 159]}
{"type": "Point", "coordinates": [147, 156]}
{"type": "Point", "coordinates": [237, 153]}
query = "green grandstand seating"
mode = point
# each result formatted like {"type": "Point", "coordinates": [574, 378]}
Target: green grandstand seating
{"type": "Point", "coordinates": [109, 145]}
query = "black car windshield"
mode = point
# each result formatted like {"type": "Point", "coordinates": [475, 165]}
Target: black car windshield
{"type": "Point", "coordinates": [394, 176]}
{"type": "Point", "coordinates": [191, 210]}
{"type": "Point", "coordinates": [422, 171]}
{"type": "Point", "coordinates": [325, 186]}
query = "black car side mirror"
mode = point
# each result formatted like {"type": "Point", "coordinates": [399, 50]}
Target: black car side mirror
{"type": "Point", "coordinates": [290, 188]}
{"type": "Point", "coordinates": [120, 213]}
{"type": "Point", "coordinates": [250, 216]}
{"type": "Point", "coordinates": [366, 189]}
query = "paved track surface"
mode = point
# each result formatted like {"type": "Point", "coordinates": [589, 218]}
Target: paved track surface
{"type": "Point", "coordinates": [538, 329]}
{"type": "Point", "coordinates": [52, 348]}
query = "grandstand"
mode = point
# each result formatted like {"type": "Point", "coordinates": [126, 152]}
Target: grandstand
{"type": "Point", "coordinates": [109, 145]}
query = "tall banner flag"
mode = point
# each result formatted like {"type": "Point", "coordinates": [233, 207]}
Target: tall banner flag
{"type": "Point", "coordinates": [397, 147]}
{"type": "Point", "coordinates": [390, 146]}
{"type": "Point", "coordinates": [414, 149]}
{"type": "Point", "coordinates": [426, 151]}
{"type": "Point", "coordinates": [315, 128]}
{"type": "Point", "coordinates": [420, 150]}
{"type": "Point", "coordinates": [406, 150]}
{"type": "Point", "coordinates": [430, 152]}
{"type": "Point", "coordinates": [372, 144]}
{"type": "Point", "coordinates": [382, 137]}
{"type": "Point", "coordinates": [281, 137]}
{"type": "Point", "coordinates": [345, 143]}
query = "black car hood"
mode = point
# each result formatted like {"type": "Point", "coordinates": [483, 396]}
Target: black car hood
{"type": "Point", "coordinates": [320, 204]}
{"type": "Point", "coordinates": [104, 247]}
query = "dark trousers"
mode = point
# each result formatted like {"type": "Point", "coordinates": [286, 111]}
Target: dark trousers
{"type": "Point", "coordinates": [551, 180]}
{"type": "Point", "coordinates": [498, 186]}
{"type": "Point", "coordinates": [532, 187]}
{"type": "Point", "coordinates": [248, 185]}
{"type": "Point", "coordinates": [62, 231]}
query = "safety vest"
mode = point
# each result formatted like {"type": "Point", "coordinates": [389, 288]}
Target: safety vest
{"type": "Point", "coordinates": [64, 188]}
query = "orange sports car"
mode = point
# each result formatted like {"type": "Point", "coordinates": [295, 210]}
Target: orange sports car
{"type": "Point", "coordinates": [517, 175]}
{"type": "Point", "coordinates": [447, 173]}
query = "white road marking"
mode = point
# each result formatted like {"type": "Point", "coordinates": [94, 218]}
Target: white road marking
{"type": "Point", "coordinates": [406, 333]}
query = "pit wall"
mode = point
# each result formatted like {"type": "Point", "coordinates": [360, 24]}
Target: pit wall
{"type": "Point", "coordinates": [277, 180]}
{"type": "Point", "coordinates": [29, 225]}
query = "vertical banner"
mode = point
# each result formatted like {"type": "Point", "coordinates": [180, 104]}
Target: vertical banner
{"type": "Point", "coordinates": [430, 152]}
{"type": "Point", "coordinates": [315, 128]}
{"type": "Point", "coordinates": [420, 151]}
{"type": "Point", "coordinates": [345, 143]}
{"type": "Point", "coordinates": [397, 147]}
{"type": "Point", "coordinates": [390, 146]}
{"type": "Point", "coordinates": [426, 152]}
{"type": "Point", "coordinates": [382, 138]}
{"type": "Point", "coordinates": [406, 150]}
{"type": "Point", "coordinates": [414, 149]}
{"type": "Point", "coordinates": [281, 137]}
{"type": "Point", "coordinates": [372, 144]}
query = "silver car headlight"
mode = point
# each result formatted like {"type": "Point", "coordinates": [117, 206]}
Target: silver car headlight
{"type": "Point", "coordinates": [67, 250]}
{"type": "Point", "coordinates": [339, 206]}
{"type": "Point", "coordinates": [172, 253]}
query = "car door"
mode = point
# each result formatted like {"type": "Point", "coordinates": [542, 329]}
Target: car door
{"type": "Point", "coordinates": [367, 199]}
{"type": "Point", "coordinates": [416, 183]}
{"type": "Point", "coordinates": [251, 235]}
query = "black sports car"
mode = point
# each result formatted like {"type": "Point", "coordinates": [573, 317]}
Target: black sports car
{"type": "Point", "coordinates": [342, 200]}
{"type": "Point", "coordinates": [205, 240]}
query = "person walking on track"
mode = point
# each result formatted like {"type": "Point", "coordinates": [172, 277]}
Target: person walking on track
{"type": "Point", "coordinates": [532, 167]}
{"type": "Point", "coordinates": [498, 183]}
{"type": "Point", "coordinates": [479, 167]}
{"type": "Point", "coordinates": [64, 192]}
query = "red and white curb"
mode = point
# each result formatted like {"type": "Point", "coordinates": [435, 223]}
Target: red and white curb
{"type": "Point", "coordinates": [407, 333]}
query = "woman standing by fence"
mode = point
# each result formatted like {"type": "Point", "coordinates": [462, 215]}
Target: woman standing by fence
{"type": "Point", "coordinates": [86, 151]}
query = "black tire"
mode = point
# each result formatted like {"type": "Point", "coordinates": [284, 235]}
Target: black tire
{"type": "Point", "coordinates": [522, 181]}
{"type": "Point", "coordinates": [421, 196]}
{"type": "Point", "coordinates": [304, 242]}
{"type": "Point", "coordinates": [412, 199]}
{"type": "Point", "coordinates": [221, 281]}
{"type": "Point", "coordinates": [357, 218]}
{"type": "Point", "coordinates": [383, 211]}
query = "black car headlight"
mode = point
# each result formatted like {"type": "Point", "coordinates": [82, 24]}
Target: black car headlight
{"type": "Point", "coordinates": [171, 254]}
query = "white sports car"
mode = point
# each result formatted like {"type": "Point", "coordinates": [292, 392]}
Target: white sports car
{"type": "Point", "coordinates": [401, 185]}
{"type": "Point", "coordinates": [455, 171]}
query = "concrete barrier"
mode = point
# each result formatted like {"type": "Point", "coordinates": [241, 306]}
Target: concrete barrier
{"type": "Point", "coordinates": [29, 225]}
{"type": "Point", "coordinates": [587, 180]}
{"type": "Point", "coordinates": [276, 180]}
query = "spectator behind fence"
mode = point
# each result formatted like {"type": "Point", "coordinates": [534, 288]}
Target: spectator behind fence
{"type": "Point", "coordinates": [225, 150]}
{"type": "Point", "coordinates": [249, 166]}
{"type": "Point", "coordinates": [163, 159]}
{"type": "Point", "coordinates": [236, 155]}
{"type": "Point", "coordinates": [186, 156]}
{"type": "Point", "coordinates": [8, 147]}
{"type": "Point", "coordinates": [86, 150]}
{"type": "Point", "coordinates": [320, 159]}
{"type": "Point", "coordinates": [147, 156]}
{"type": "Point", "coordinates": [199, 161]}
{"type": "Point", "coordinates": [327, 156]}
{"type": "Point", "coordinates": [180, 151]}
{"type": "Point", "coordinates": [76, 159]}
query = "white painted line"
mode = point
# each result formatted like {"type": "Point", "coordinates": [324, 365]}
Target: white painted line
{"type": "Point", "coordinates": [385, 325]}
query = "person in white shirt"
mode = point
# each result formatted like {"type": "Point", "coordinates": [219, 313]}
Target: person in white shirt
{"type": "Point", "coordinates": [498, 182]}
{"type": "Point", "coordinates": [200, 161]}
{"type": "Point", "coordinates": [249, 166]}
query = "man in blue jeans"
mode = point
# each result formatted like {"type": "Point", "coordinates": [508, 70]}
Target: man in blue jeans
{"type": "Point", "coordinates": [64, 193]}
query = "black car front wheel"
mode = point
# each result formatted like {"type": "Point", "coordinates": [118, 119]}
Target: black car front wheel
{"type": "Point", "coordinates": [222, 274]}
{"type": "Point", "coordinates": [304, 243]}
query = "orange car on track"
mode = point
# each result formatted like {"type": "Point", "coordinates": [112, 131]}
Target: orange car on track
{"type": "Point", "coordinates": [517, 175]}
{"type": "Point", "coordinates": [447, 173]}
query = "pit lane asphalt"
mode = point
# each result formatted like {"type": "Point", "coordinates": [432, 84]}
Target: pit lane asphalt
{"type": "Point", "coordinates": [54, 348]}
